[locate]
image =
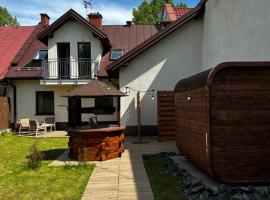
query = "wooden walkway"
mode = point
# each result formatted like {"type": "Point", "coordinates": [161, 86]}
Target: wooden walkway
{"type": "Point", "coordinates": [125, 177]}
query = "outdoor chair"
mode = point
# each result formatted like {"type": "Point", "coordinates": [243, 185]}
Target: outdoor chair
{"type": "Point", "coordinates": [50, 122]}
{"type": "Point", "coordinates": [93, 121]}
{"type": "Point", "coordinates": [24, 124]}
{"type": "Point", "coordinates": [37, 127]}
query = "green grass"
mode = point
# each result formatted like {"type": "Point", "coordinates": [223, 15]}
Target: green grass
{"type": "Point", "coordinates": [163, 186]}
{"type": "Point", "coordinates": [18, 182]}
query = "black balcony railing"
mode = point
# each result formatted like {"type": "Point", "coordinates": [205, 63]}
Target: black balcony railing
{"type": "Point", "coordinates": [66, 69]}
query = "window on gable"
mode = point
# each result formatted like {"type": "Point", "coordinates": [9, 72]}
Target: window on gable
{"type": "Point", "coordinates": [45, 103]}
{"type": "Point", "coordinates": [116, 53]}
{"type": "Point", "coordinates": [41, 55]}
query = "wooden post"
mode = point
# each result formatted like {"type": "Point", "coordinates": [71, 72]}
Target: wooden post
{"type": "Point", "coordinates": [78, 111]}
{"type": "Point", "coordinates": [139, 125]}
{"type": "Point", "coordinates": [118, 111]}
{"type": "Point", "coordinates": [139, 116]}
{"type": "Point", "coordinates": [71, 112]}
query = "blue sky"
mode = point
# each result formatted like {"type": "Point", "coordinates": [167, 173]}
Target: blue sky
{"type": "Point", "coordinates": [113, 11]}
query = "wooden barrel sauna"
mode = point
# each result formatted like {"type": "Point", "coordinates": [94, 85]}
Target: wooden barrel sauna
{"type": "Point", "coordinates": [223, 121]}
{"type": "Point", "coordinates": [97, 144]}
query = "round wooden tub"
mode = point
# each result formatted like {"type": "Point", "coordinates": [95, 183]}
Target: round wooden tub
{"type": "Point", "coordinates": [98, 144]}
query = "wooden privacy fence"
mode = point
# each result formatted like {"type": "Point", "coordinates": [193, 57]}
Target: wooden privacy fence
{"type": "Point", "coordinates": [4, 113]}
{"type": "Point", "coordinates": [223, 121]}
{"type": "Point", "coordinates": [166, 115]}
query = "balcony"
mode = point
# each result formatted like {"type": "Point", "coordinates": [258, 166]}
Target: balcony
{"type": "Point", "coordinates": [67, 71]}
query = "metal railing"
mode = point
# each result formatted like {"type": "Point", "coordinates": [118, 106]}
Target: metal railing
{"type": "Point", "coordinates": [67, 69]}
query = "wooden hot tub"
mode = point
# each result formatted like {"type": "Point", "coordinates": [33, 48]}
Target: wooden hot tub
{"type": "Point", "coordinates": [99, 144]}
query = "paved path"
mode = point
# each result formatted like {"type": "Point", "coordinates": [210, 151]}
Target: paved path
{"type": "Point", "coordinates": [121, 178]}
{"type": "Point", "coordinates": [125, 177]}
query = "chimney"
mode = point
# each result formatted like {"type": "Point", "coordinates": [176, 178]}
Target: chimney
{"type": "Point", "coordinates": [96, 19]}
{"type": "Point", "coordinates": [44, 19]}
{"type": "Point", "coordinates": [128, 23]}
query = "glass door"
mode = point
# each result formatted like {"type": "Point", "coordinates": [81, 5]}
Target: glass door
{"type": "Point", "coordinates": [63, 54]}
{"type": "Point", "coordinates": [84, 59]}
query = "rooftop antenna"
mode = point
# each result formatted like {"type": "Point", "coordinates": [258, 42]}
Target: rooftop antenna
{"type": "Point", "coordinates": [87, 4]}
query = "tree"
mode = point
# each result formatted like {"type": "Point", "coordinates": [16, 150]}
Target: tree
{"type": "Point", "coordinates": [6, 19]}
{"type": "Point", "coordinates": [149, 13]}
{"type": "Point", "coordinates": [181, 5]}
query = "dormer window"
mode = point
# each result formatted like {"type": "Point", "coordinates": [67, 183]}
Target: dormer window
{"type": "Point", "coordinates": [41, 55]}
{"type": "Point", "coordinates": [116, 53]}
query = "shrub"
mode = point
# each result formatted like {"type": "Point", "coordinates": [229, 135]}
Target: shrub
{"type": "Point", "coordinates": [35, 157]}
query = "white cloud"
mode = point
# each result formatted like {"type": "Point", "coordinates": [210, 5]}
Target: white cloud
{"type": "Point", "coordinates": [28, 12]}
{"type": "Point", "coordinates": [113, 14]}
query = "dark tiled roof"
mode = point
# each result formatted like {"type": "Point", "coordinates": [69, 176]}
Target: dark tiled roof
{"type": "Point", "coordinates": [125, 37]}
{"type": "Point", "coordinates": [11, 41]}
{"type": "Point", "coordinates": [94, 88]}
{"type": "Point", "coordinates": [194, 13]}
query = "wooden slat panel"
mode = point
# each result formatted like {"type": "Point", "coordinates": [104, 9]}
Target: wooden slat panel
{"type": "Point", "coordinates": [4, 113]}
{"type": "Point", "coordinates": [240, 125]}
{"type": "Point", "coordinates": [191, 125]}
{"type": "Point", "coordinates": [166, 115]}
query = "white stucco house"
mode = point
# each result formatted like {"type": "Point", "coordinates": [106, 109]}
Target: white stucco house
{"type": "Point", "coordinates": [141, 57]}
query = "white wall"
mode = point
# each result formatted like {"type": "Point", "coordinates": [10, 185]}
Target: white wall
{"type": "Point", "coordinates": [73, 32]}
{"type": "Point", "coordinates": [236, 30]}
{"type": "Point", "coordinates": [86, 102]}
{"type": "Point", "coordinates": [160, 68]}
{"type": "Point", "coordinates": [26, 101]}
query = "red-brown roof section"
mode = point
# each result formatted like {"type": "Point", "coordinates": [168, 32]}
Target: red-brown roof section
{"type": "Point", "coordinates": [175, 12]}
{"type": "Point", "coordinates": [179, 12]}
{"type": "Point", "coordinates": [25, 54]}
{"type": "Point", "coordinates": [11, 41]}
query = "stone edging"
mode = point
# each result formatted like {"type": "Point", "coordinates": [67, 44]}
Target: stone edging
{"type": "Point", "coordinates": [195, 189]}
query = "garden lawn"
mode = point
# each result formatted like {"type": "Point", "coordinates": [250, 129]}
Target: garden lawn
{"type": "Point", "coordinates": [18, 182]}
{"type": "Point", "coordinates": [163, 185]}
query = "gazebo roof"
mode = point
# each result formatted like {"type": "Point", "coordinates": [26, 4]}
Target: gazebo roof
{"type": "Point", "coordinates": [94, 88]}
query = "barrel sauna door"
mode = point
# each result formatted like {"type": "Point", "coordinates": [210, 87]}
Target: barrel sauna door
{"type": "Point", "coordinates": [4, 113]}
{"type": "Point", "coordinates": [166, 115]}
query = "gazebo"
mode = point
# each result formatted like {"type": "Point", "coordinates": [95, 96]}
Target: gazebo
{"type": "Point", "coordinates": [93, 143]}
{"type": "Point", "coordinates": [93, 89]}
